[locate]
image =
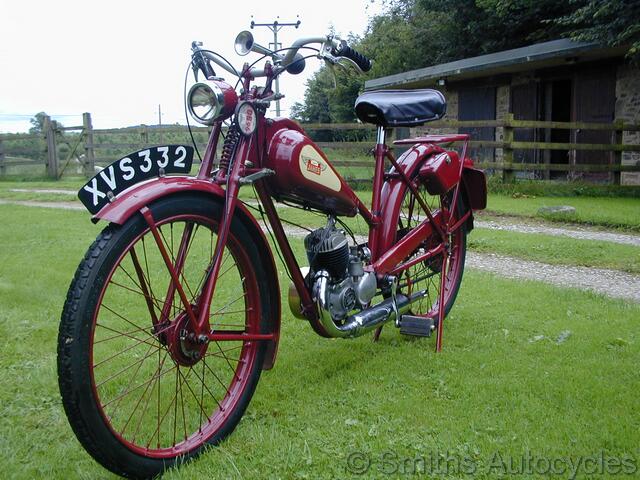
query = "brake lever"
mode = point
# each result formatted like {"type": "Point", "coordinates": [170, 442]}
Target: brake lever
{"type": "Point", "coordinates": [331, 61]}
{"type": "Point", "coordinates": [349, 63]}
{"type": "Point", "coordinates": [194, 66]}
{"type": "Point", "coordinates": [200, 62]}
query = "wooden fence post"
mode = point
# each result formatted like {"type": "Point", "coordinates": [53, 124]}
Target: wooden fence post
{"type": "Point", "coordinates": [49, 127]}
{"type": "Point", "coordinates": [401, 134]}
{"type": "Point", "coordinates": [617, 155]}
{"type": "Point", "coordinates": [144, 135]}
{"type": "Point", "coordinates": [507, 151]}
{"type": "Point", "coordinates": [3, 168]}
{"type": "Point", "coordinates": [89, 152]}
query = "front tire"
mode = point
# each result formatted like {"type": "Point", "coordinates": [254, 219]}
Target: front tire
{"type": "Point", "coordinates": [140, 393]}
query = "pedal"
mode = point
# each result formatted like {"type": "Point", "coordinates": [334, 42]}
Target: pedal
{"type": "Point", "coordinates": [265, 172]}
{"type": "Point", "coordinates": [417, 326]}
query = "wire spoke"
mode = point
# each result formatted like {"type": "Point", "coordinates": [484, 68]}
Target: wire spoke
{"type": "Point", "coordinates": [120, 316]}
{"type": "Point", "coordinates": [195, 397]}
{"type": "Point", "coordinates": [146, 341]}
{"type": "Point", "coordinates": [136, 387]}
{"type": "Point", "coordinates": [173, 260]}
{"type": "Point", "coordinates": [128, 334]}
{"type": "Point", "coordinates": [229, 304]}
{"type": "Point", "coordinates": [144, 411]}
{"type": "Point", "coordinates": [155, 301]}
{"type": "Point", "coordinates": [164, 415]}
{"type": "Point", "coordinates": [225, 387]}
{"type": "Point", "coordinates": [127, 349]}
{"type": "Point", "coordinates": [131, 380]}
{"type": "Point", "coordinates": [149, 383]}
{"type": "Point", "coordinates": [121, 371]}
{"type": "Point", "coordinates": [204, 385]}
{"type": "Point", "coordinates": [222, 352]}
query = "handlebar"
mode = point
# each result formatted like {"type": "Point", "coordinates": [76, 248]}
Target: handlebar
{"type": "Point", "coordinates": [332, 50]}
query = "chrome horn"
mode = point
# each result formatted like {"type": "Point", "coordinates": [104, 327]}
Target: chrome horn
{"type": "Point", "coordinates": [244, 44]}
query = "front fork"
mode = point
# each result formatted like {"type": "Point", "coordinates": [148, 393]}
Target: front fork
{"type": "Point", "coordinates": [198, 315]}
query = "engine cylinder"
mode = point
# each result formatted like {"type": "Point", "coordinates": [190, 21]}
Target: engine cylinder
{"type": "Point", "coordinates": [328, 249]}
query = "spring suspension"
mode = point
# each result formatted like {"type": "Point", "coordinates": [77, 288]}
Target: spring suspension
{"type": "Point", "coordinates": [230, 141]}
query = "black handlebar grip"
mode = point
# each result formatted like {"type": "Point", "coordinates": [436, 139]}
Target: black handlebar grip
{"type": "Point", "coordinates": [345, 51]}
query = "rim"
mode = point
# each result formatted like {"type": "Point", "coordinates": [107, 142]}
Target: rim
{"type": "Point", "coordinates": [426, 275]}
{"type": "Point", "coordinates": [160, 394]}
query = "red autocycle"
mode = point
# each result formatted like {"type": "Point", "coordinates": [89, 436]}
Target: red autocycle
{"type": "Point", "coordinates": [175, 309]}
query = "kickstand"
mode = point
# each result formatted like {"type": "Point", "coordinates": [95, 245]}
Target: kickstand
{"type": "Point", "coordinates": [441, 305]}
{"type": "Point", "coordinates": [376, 334]}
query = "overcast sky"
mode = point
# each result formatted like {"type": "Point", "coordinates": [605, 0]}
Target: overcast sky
{"type": "Point", "coordinates": [120, 59]}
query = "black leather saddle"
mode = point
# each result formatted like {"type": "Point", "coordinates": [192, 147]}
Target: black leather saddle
{"type": "Point", "coordinates": [400, 108]}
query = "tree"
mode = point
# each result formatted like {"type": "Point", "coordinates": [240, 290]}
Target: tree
{"type": "Point", "coordinates": [38, 123]}
{"type": "Point", "coordinates": [611, 22]}
{"type": "Point", "coordinates": [412, 34]}
{"type": "Point", "coordinates": [326, 102]}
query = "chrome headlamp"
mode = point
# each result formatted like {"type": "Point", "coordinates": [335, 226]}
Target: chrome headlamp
{"type": "Point", "coordinates": [211, 102]}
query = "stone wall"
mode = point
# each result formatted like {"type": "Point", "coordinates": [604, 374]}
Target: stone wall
{"type": "Point", "coordinates": [452, 114]}
{"type": "Point", "coordinates": [628, 110]}
{"type": "Point", "coordinates": [503, 95]}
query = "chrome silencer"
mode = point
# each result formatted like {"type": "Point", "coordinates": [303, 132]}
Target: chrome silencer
{"type": "Point", "coordinates": [361, 322]}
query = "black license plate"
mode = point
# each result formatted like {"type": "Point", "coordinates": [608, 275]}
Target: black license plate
{"type": "Point", "coordinates": [134, 168]}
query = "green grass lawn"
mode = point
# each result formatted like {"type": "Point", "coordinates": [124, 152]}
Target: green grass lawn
{"type": "Point", "coordinates": [527, 369]}
{"type": "Point", "coordinates": [623, 213]}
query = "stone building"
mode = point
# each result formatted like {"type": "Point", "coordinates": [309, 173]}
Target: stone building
{"type": "Point", "coordinates": [561, 80]}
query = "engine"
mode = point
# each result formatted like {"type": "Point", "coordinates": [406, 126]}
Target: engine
{"type": "Point", "coordinates": [337, 272]}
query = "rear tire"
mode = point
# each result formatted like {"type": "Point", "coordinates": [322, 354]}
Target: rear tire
{"type": "Point", "coordinates": [140, 395]}
{"type": "Point", "coordinates": [426, 275]}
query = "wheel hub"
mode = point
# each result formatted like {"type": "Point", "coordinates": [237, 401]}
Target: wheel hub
{"type": "Point", "coordinates": [185, 346]}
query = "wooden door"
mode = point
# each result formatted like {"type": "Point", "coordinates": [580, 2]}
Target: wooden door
{"type": "Point", "coordinates": [478, 103]}
{"type": "Point", "coordinates": [594, 102]}
{"type": "Point", "coordinates": [525, 106]}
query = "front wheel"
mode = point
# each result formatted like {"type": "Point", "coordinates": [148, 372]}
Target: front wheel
{"type": "Point", "coordinates": [140, 391]}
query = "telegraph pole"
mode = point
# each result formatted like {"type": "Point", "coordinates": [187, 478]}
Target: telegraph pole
{"type": "Point", "coordinates": [275, 27]}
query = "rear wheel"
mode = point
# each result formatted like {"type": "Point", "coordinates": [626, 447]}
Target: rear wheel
{"type": "Point", "coordinates": [141, 391]}
{"type": "Point", "coordinates": [427, 275]}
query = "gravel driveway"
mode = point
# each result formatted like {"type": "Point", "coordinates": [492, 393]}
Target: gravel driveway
{"type": "Point", "coordinates": [612, 283]}
{"type": "Point", "coordinates": [581, 233]}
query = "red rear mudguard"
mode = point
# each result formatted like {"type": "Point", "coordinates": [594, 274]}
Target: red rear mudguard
{"type": "Point", "coordinates": [473, 187]}
{"type": "Point", "coordinates": [131, 201]}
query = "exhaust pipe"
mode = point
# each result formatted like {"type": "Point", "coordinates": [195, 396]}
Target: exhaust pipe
{"type": "Point", "coordinates": [362, 322]}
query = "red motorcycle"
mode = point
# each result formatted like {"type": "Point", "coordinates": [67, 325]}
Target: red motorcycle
{"type": "Point", "coordinates": [175, 309]}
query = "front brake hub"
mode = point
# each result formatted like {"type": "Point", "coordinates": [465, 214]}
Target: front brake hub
{"type": "Point", "coordinates": [185, 346]}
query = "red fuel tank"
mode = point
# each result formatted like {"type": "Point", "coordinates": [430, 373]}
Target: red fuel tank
{"type": "Point", "coordinates": [303, 174]}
